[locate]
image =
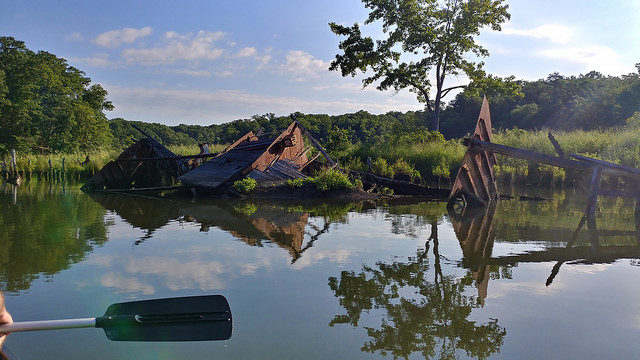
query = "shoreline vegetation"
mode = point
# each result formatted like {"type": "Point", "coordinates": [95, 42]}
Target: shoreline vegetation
{"type": "Point", "coordinates": [433, 160]}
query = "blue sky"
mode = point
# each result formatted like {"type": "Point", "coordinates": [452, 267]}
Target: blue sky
{"type": "Point", "coordinates": [204, 62]}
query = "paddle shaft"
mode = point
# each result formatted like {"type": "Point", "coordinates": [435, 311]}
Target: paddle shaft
{"type": "Point", "coordinates": [105, 321]}
{"type": "Point", "coordinates": [48, 325]}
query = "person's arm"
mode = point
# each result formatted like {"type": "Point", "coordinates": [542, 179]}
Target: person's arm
{"type": "Point", "coordinates": [5, 318]}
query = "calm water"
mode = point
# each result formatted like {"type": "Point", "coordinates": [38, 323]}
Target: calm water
{"type": "Point", "coordinates": [326, 280]}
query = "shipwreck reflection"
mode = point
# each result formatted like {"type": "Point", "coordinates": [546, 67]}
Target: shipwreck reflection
{"type": "Point", "coordinates": [294, 228]}
{"type": "Point", "coordinates": [476, 232]}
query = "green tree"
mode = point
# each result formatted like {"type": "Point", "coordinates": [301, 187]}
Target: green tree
{"type": "Point", "coordinates": [47, 105]}
{"type": "Point", "coordinates": [435, 36]}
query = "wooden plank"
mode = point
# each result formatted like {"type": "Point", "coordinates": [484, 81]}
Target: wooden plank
{"type": "Point", "coordinates": [607, 165]}
{"type": "Point", "coordinates": [604, 254]}
{"type": "Point", "coordinates": [556, 145]}
{"type": "Point", "coordinates": [246, 137]}
{"type": "Point", "coordinates": [156, 188]}
{"type": "Point", "coordinates": [183, 157]}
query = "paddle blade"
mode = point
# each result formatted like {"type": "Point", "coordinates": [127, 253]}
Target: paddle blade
{"type": "Point", "coordinates": [193, 318]}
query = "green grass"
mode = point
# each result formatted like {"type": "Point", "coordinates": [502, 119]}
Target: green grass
{"type": "Point", "coordinates": [325, 180]}
{"type": "Point", "coordinates": [38, 164]}
{"type": "Point", "coordinates": [427, 160]}
{"type": "Point", "coordinates": [617, 145]}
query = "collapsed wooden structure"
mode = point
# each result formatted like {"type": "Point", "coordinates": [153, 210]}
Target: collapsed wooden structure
{"type": "Point", "coordinates": [263, 158]}
{"type": "Point", "coordinates": [475, 183]}
{"type": "Point", "coordinates": [269, 158]}
{"type": "Point", "coordinates": [143, 165]}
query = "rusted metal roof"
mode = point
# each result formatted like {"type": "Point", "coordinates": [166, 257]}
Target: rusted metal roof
{"type": "Point", "coordinates": [252, 154]}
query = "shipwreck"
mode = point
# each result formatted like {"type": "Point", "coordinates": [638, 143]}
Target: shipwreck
{"type": "Point", "coordinates": [269, 158]}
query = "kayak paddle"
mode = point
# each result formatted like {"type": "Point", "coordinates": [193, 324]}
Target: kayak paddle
{"type": "Point", "coordinates": [192, 318]}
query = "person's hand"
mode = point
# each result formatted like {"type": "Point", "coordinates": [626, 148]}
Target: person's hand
{"type": "Point", "coordinates": [5, 318]}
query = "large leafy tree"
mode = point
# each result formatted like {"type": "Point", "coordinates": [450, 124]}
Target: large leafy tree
{"type": "Point", "coordinates": [47, 105]}
{"type": "Point", "coordinates": [426, 41]}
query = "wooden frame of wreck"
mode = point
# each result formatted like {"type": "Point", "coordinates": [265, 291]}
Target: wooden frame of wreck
{"type": "Point", "coordinates": [475, 187]}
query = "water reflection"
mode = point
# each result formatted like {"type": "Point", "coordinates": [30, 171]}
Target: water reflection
{"type": "Point", "coordinates": [424, 310]}
{"type": "Point", "coordinates": [44, 232]}
{"type": "Point", "coordinates": [284, 225]}
{"type": "Point", "coordinates": [394, 279]}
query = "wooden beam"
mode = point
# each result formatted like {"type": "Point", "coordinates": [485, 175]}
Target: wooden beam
{"type": "Point", "coordinates": [199, 156]}
{"type": "Point", "coordinates": [584, 163]}
{"type": "Point", "coordinates": [556, 145]}
{"type": "Point", "coordinates": [476, 144]}
{"type": "Point", "coordinates": [142, 189]}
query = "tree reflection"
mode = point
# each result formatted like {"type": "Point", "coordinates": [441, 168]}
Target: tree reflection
{"type": "Point", "coordinates": [423, 310]}
{"type": "Point", "coordinates": [44, 232]}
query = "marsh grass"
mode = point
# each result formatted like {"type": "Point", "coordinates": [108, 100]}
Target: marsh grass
{"type": "Point", "coordinates": [425, 160]}
{"type": "Point", "coordinates": [38, 164]}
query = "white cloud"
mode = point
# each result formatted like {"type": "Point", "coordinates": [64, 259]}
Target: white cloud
{"type": "Point", "coordinates": [123, 36]}
{"type": "Point", "coordinates": [224, 74]}
{"type": "Point", "coordinates": [97, 60]}
{"type": "Point", "coordinates": [263, 61]}
{"type": "Point", "coordinates": [180, 47]}
{"type": "Point", "coordinates": [594, 57]}
{"type": "Point", "coordinates": [178, 275]}
{"type": "Point", "coordinates": [76, 36]}
{"type": "Point", "coordinates": [556, 33]}
{"type": "Point", "coordinates": [303, 65]}
{"type": "Point", "coordinates": [126, 284]}
{"type": "Point", "coordinates": [247, 52]}
{"type": "Point", "coordinates": [190, 72]}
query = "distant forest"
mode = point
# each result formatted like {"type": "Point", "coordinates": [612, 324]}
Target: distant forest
{"type": "Point", "coordinates": [47, 106]}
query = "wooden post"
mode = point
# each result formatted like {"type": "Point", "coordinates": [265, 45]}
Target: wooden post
{"type": "Point", "coordinates": [591, 208]}
{"type": "Point", "coordinates": [556, 145]}
{"type": "Point", "coordinates": [14, 161]}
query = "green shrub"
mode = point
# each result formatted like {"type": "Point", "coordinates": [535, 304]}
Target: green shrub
{"type": "Point", "coordinates": [330, 179]}
{"type": "Point", "coordinates": [381, 167]}
{"type": "Point", "coordinates": [401, 166]}
{"type": "Point", "coordinates": [245, 185]}
{"type": "Point", "coordinates": [246, 209]}
{"type": "Point", "coordinates": [357, 183]}
{"type": "Point", "coordinates": [298, 183]}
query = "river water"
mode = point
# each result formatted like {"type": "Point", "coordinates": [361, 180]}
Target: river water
{"type": "Point", "coordinates": [319, 280]}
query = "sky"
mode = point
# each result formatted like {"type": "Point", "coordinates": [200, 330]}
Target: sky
{"type": "Point", "coordinates": [208, 62]}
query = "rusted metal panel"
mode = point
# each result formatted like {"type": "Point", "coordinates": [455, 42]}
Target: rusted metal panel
{"type": "Point", "coordinates": [476, 178]}
{"type": "Point", "coordinates": [246, 155]}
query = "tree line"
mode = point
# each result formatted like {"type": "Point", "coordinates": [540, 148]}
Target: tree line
{"type": "Point", "coordinates": [589, 101]}
{"type": "Point", "coordinates": [47, 106]}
